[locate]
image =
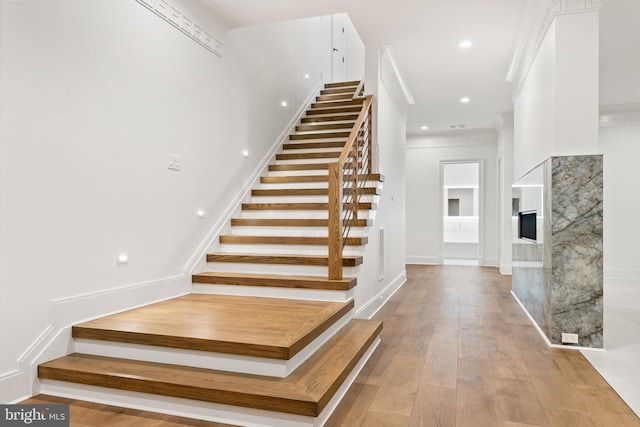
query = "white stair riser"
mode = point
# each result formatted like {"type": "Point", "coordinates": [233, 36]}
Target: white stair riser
{"type": "Point", "coordinates": [325, 184]}
{"type": "Point", "coordinates": [367, 214]}
{"type": "Point", "coordinates": [305, 270]}
{"type": "Point", "coordinates": [365, 198]}
{"type": "Point", "coordinates": [285, 249]}
{"type": "Point", "coordinates": [274, 292]}
{"type": "Point", "coordinates": [293, 231]}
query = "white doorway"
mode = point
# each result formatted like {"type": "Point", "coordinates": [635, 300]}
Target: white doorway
{"type": "Point", "coordinates": [461, 212]}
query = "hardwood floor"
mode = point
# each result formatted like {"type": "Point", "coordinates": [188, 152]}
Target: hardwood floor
{"type": "Point", "coordinates": [456, 350]}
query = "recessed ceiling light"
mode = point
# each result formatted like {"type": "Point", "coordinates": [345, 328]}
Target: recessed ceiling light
{"type": "Point", "coordinates": [465, 99]}
{"type": "Point", "coordinates": [465, 44]}
{"type": "Point", "coordinates": [283, 104]}
{"type": "Point", "coordinates": [424, 127]}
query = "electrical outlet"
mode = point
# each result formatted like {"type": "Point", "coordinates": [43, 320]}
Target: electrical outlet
{"type": "Point", "coordinates": [569, 338]}
{"type": "Point", "coordinates": [173, 162]}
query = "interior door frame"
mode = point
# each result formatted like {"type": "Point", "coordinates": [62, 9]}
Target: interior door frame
{"type": "Point", "coordinates": [481, 206]}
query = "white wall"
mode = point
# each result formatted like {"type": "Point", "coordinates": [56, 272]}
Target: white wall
{"type": "Point", "coordinates": [389, 136]}
{"type": "Point", "coordinates": [621, 202]}
{"type": "Point", "coordinates": [424, 210]}
{"type": "Point", "coordinates": [355, 52]}
{"type": "Point", "coordinates": [535, 110]}
{"type": "Point", "coordinates": [556, 111]}
{"type": "Point", "coordinates": [94, 96]}
{"type": "Point", "coordinates": [504, 129]}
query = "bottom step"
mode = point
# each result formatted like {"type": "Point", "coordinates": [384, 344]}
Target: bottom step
{"type": "Point", "coordinates": [305, 392]}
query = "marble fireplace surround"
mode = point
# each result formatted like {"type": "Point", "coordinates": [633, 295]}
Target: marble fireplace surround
{"type": "Point", "coordinates": [558, 278]}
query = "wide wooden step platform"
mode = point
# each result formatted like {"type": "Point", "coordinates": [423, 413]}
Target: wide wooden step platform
{"type": "Point", "coordinates": [295, 222]}
{"type": "Point", "coordinates": [250, 326]}
{"type": "Point", "coordinates": [313, 260]}
{"type": "Point", "coordinates": [289, 240]}
{"type": "Point", "coordinates": [274, 280]}
{"type": "Point", "coordinates": [314, 178]}
{"type": "Point", "coordinates": [305, 392]}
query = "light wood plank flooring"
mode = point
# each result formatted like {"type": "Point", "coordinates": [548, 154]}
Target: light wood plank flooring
{"type": "Point", "coordinates": [457, 350]}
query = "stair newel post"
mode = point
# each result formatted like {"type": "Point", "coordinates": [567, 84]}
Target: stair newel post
{"type": "Point", "coordinates": [335, 221]}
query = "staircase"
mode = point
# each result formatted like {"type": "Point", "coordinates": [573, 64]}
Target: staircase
{"type": "Point", "coordinates": [268, 335]}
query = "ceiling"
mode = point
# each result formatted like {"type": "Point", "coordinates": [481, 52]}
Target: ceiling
{"type": "Point", "coordinates": [424, 36]}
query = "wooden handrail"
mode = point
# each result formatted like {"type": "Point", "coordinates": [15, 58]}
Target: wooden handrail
{"type": "Point", "coordinates": [349, 156]}
{"type": "Point", "coordinates": [353, 136]}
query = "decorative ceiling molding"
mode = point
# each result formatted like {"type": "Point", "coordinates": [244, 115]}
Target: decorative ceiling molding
{"type": "Point", "coordinates": [535, 23]}
{"type": "Point", "coordinates": [468, 138]}
{"type": "Point", "coordinates": [619, 115]}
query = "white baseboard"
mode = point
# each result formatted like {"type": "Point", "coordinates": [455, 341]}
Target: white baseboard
{"type": "Point", "coordinates": [423, 260]}
{"type": "Point", "coordinates": [55, 340]}
{"type": "Point", "coordinates": [506, 269]}
{"type": "Point", "coordinates": [544, 336]}
{"type": "Point", "coordinates": [374, 304]}
{"type": "Point", "coordinates": [622, 275]}
{"type": "Point", "coordinates": [488, 262]}
{"type": "Point", "coordinates": [14, 387]}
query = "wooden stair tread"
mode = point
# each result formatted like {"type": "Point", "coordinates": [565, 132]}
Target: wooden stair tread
{"type": "Point", "coordinates": [309, 206]}
{"type": "Point", "coordinates": [337, 103]}
{"type": "Point", "coordinates": [274, 280]}
{"type": "Point", "coordinates": [316, 155]}
{"type": "Point", "coordinates": [332, 110]}
{"type": "Point", "coordinates": [349, 83]}
{"type": "Point", "coordinates": [271, 327]}
{"type": "Point", "coordinates": [275, 192]}
{"type": "Point", "coordinates": [312, 145]}
{"type": "Point", "coordinates": [294, 222]}
{"type": "Point", "coordinates": [314, 178]}
{"type": "Point", "coordinates": [305, 392]}
{"type": "Point", "coordinates": [330, 118]}
{"type": "Point", "coordinates": [319, 135]}
{"type": "Point", "coordinates": [314, 260]}
{"type": "Point", "coordinates": [325, 126]}
{"type": "Point", "coordinates": [289, 240]}
{"type": "Point", "coordinates": [300, 166]}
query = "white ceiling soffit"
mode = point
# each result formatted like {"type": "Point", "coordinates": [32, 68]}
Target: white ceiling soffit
{"type": "Point", "coordinates": [425, 35]}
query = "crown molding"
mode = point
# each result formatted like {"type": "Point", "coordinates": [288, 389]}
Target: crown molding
{"type": "Point", "coordinates": [534, 25]}
{"type": "Point", "coordinates": [443, 139]}
{"type": "Point", "coordinates": [619, 115]}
